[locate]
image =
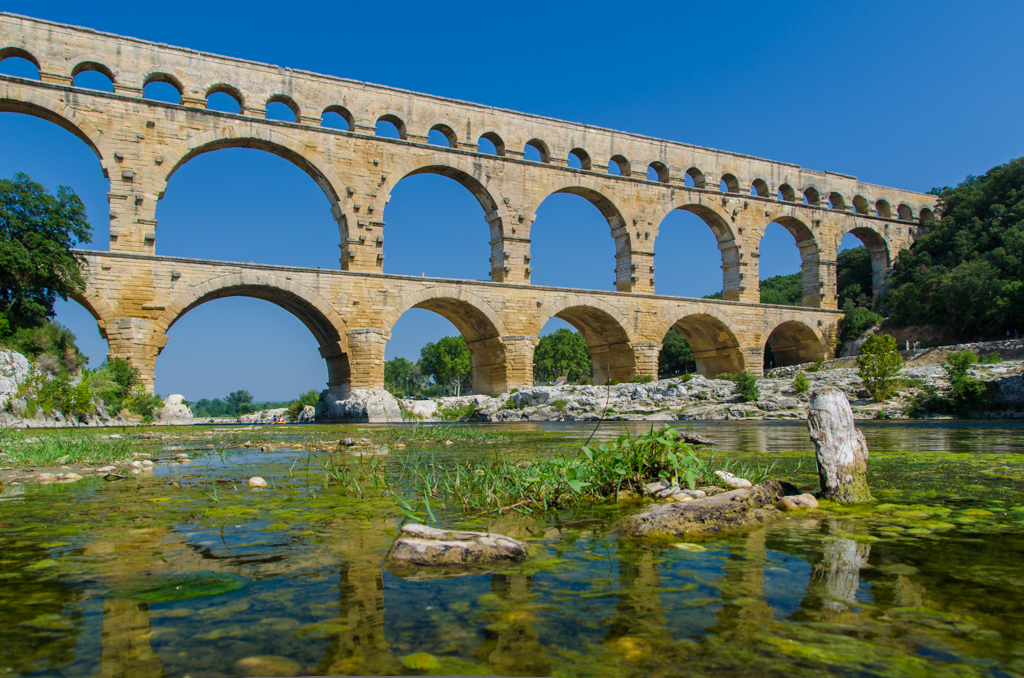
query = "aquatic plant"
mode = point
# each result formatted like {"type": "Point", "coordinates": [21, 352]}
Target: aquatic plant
{"type": "Point", "coordinates": [56, 448]}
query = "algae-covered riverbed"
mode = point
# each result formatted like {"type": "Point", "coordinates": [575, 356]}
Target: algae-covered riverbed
{"type": "Point", "coordinates": [183, 570]}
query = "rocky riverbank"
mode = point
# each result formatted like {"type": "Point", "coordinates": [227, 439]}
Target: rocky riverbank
{"type": "Point", "coordinates": [694, 397]}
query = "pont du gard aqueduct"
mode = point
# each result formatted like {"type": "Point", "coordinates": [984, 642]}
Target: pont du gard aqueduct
{"type": "Point", "coordinates": [136, 295]}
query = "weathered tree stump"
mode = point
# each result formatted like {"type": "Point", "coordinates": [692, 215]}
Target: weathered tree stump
{"type": "Point", "coordinates": [841, 451]}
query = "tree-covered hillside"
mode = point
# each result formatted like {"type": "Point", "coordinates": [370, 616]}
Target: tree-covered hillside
{"type": "Point", "coordinates": [967, 273]}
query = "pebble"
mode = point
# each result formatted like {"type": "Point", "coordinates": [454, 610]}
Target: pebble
{"type": "Point", "coordinates": [695, 494]}
{"type": "Point", "coordinates": [147, 462]}
{"type": "Point", "coordinates": [105, 469]}
{"type": "Point", "coordinates": [797, 503]}
{"type": "Point", "coordinates": [136, 471]}
{"type": "Point", "coordinates": [398, 446]}
{"type": "Point", "coordinates": [135, 464]}
{"type": "Point", "coordinates": [256, 481]}
{"type": "Point", "coordinates": [266, 665]}
{"type": "Point", "coordinates": [676, 498]}
{"type": "Point", "coordinates": [738, 483]}
{"type": "Point", "coordinates": [47, 477]}
{"type": "Point", "coordinates": [69, 478]}
{"type": "Point", "coordinates": [449, 443]}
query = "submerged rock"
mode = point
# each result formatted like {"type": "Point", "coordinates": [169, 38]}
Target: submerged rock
{"type": "Point", "coordinates": [267, 665]}
{"type": "Point", "coordinates": [450, 551]}
{"type": "Point", "coordinates": [256, 481]}
{"type": "Point", "coordinates": [732, 510]}
{"type": "Point", "coordinates": [797, 503]}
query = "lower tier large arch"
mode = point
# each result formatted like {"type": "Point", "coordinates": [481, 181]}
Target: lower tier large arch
{"type": "Point", "coordinates": [792, 343]}
{"type": "Point", "coordinates": [609, 341]}
{"type": "Point", "coordinates": [715, 347]}
{"type": "Point", "coordinates": [479, 325]}
{"type": "Point", "coordinates": [315, 313]}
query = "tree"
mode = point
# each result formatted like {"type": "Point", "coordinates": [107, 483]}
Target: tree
{"type": "Point", "coordinates": [880, 364]}
{"type": "Point", "coordinates": [309, 398]}
{"type": "Point", "coordinates": [676, 356]}
{"type": "Point", "coordinates": [785, 290]}
{"type": "Point", "coordinates": [563, 352]}
{"type": "Point", "coordinates": [965, 274]}
{"type": "Point", "coordinates": [37, 234]}
{"type": "Point", "coordinates": [853, 271]}
{"type": "Point", "coordinates": [964, 391]}
{"type": "Point", "coordinates": [401, 377]}
{"type": "Point", "coordinates": [239, 402]}
{"type": "Point", "coordinates": [448, 362]}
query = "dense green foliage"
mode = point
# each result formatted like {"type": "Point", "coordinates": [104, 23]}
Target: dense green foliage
{"type": "Point", "coordinates": [402, 377]}
{"type": "Point", "coordinates": [965, 392]}
{"type": "Point", "coordinates": [784, 290]}
{"type": "Point", "coordinates": [562, 353]}
{"type": "Point", "coordinates": [853, 271]}
{"type": "Point", "coordinates": [675, 357]}
{"type": "Point", "coordinates": [746, 384]}
{"type": "Point", "coordinates": [801, 384]}
{"type": "Point", "coordinates": [307, 399]}
{"type": "Point", "coordinates": [880, 364]}
{"type": "Point", "coordinates": [37, 234]}
{"type": "Point", "coordinates": [234, 404]}
{"type": "Point", "coordinates": [856, 322]}
{"type": "Point", "coordinates": [448, 363]}
{"type": "Point", "coordinates": [967, 272]}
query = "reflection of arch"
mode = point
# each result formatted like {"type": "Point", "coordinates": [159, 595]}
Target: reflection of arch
{"type": "Point", "coordinates": [793, 342]}
{"type": "Point", "coordinates": [715, 347]}
{"type": "Point", "coordinates": [609, 340]}
{"type": "Point", "coordinates": [18, 52]}
{"type": "Point", "coordinates": [260, 138]}
{"type": "Point", "coordinates": [315, 313]}
{"type": "Point", "coordinates": [479, 324]}
{"type": "Point", "coordinates": [15, 100]}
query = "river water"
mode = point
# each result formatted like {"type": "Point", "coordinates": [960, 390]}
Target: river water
{"type": "Point", "coordinates": [188, 573]}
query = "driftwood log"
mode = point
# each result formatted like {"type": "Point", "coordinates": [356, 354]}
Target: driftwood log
{"type": "Point", "coordinates": [841, 451]}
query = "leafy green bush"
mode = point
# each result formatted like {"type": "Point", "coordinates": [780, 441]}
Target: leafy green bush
{"type": "Point", "coordinates": [559, 404]}
{"type": "Point", "coordinates": [642, 379]}
{"type": "Point", "coordinates": [746, 386]}
{"type": "Point", "coordinates": [880, 364]}
{"type": "Point", "coordinates": [965, 392]}
{"type": "Point", "coordinates": [460, 413]}
{"type": "Point", "coordinates": [856, 322]}
{"type": "Point", "coordinates": [295, 407]}
{"type": "Point", "coordinates": [992, 359]}
{"type": "Point", "coordinates": [685, 378]}
{"type": "Point", "coordinates": [816, 367]}
{"type": "Point", "coordinates": [801, 384]}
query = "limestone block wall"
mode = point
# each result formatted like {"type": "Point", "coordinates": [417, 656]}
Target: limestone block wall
{"type": "Point", "coordinates": [141, 143]}
{"type": "Point", "coordinates": [137, 298]}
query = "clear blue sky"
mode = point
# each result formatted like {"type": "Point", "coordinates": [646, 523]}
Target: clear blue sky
{"type": "Point", "coordinates": [908, 94]}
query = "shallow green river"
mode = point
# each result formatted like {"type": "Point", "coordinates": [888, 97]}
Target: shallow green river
{"type": "Point", "coordinates": [187, 572]}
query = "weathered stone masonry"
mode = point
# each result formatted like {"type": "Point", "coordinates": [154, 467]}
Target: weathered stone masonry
{"type": "Point", "coordinates": [140, 143]}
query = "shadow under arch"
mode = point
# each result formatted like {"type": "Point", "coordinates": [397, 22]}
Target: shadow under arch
{"type": "Point", "coordinates": [609, 341]}
{"type": "Point", "coordinates": [713, 343]}
{"type": "Point", "coordinates": [479, 324]}
{"type": "Point", "coordinates": [878, 248]}
{"type": "Point", "coordinates": [724, 234]}
{"type": "Point", "coordinates": [793, 342]}
{"type": "Point", "coordinates": [311, 310]}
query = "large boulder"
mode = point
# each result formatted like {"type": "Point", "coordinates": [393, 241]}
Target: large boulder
{"type": "Point", "coordinates": [307, 415]}
{"type": "Point", "coordinates": [423, 410]}
{"type": "Point", "coordinates": [361, 406]}
{"type": "Point", "coordinates": [425, 552]}
{"type": "Point", "coordinates": [709, 516]}
{"type": "Point", "coordinates": [175, 411]}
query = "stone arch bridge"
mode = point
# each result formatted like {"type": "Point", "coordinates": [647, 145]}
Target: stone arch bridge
{"type": "Point", "coordinates": [635, 181]}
